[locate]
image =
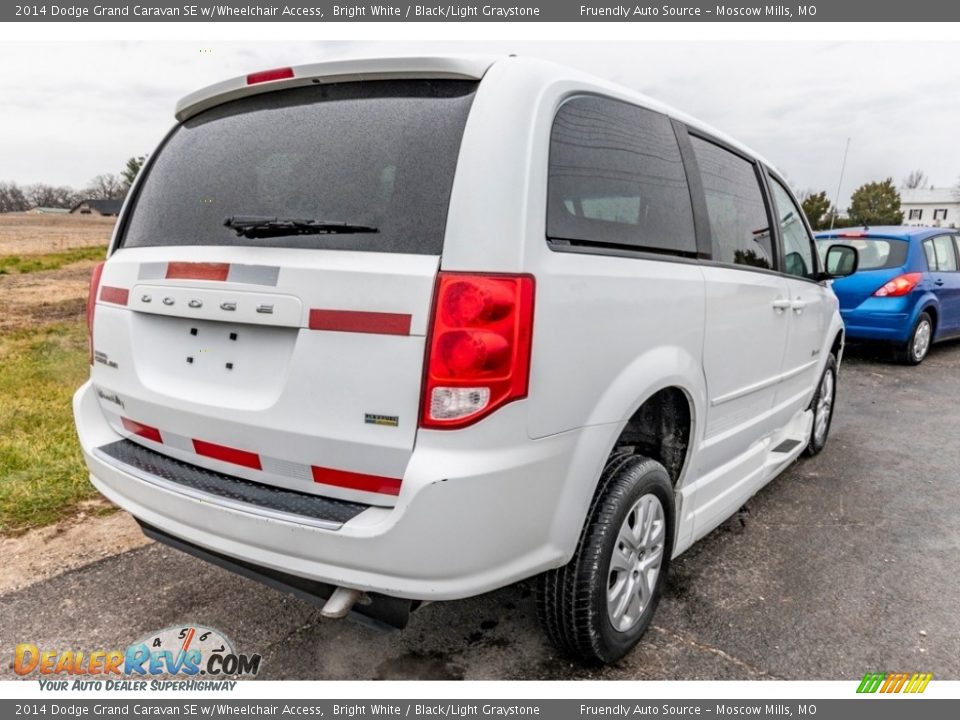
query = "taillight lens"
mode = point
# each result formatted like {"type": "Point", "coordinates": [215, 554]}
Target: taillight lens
{"type": "Point", "coordinates": [269, 75]}
{"type": "Point", "coordinates": [92, 305]}
{"type": "Point", "coordinates": [900, 285]}
{"type": "Point", "coordinates": [478, 354]}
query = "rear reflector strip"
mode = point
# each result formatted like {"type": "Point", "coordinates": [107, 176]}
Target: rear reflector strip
{"type": "Point", "coordinates": [217, 272]}
{"type": "Point", "coordinates": [197, 271]}
{"type": "Point", "coordinates": [227, 454]}
{"type": "Point", "coordinates": [345, 479]}
{"type": "Point", "coordinates": [360, 322]}
{"type": "Point", "coordinates": [115, 295]}
{"type": "Point", "coordinates": [144, 431]}
{"type": "Point", "coordinates": [268, 75]}
{"type": "Point", "coordinates": [356, 481]}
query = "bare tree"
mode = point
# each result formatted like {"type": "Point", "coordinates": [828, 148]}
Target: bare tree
{"type": "Point", "coordinates": [916, 180]}
{"type": "Point", "coordinates": [12, 198]}
{"type": "Point", "coordinates": [42, 195]}
{"type": "Point", "coordinates": [105, 187]}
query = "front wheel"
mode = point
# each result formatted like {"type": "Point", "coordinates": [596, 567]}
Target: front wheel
{"type": "Point", "coordinates": [822, 406]}
{"type": "Point", "coordinates": [597, 607]}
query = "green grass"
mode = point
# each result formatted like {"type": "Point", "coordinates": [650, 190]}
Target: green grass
{"type": "Point", "coordinates": [42, 475]}
{"type": "Point", "coordinates": [50, 261]}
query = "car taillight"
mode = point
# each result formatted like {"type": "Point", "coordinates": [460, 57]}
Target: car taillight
{"type": "Point", "coordinates": [92, 304]}
{"type": "Point", "coordinates": [900, 285]}
{"type": "Point", "coordinates": [478, 352]}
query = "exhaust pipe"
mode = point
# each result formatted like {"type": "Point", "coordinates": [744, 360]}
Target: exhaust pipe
{"type": "Point", "coordinates": [341, 602]}
{"type": "Point", "coordinates": [374, 610]}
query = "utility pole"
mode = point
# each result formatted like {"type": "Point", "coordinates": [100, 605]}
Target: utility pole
{"type": "Point", "coordinates": [836, 200]}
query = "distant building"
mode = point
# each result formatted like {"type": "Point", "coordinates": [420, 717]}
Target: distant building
{"type": "Point", "coordinates": [97, 207]}
{"type": "Point", "coordinates": [48, 211]}
{"type": "Point", "coordinates": [931, 207]}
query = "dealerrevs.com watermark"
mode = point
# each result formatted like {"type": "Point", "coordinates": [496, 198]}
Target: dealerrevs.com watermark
{"type": "Point", "coordinates": [184, 653]}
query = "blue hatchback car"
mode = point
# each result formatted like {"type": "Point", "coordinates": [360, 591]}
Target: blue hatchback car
{"type": "Point", "coordinates": [906, 290]}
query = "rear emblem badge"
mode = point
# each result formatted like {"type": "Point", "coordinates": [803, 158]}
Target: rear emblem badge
{"type": "Point", "coordinates": [195, 304]}
{"type": "Point", "coordinates": [168, 300]}
{"type": "Point", "coordinates": [109, 397]}
{"type": "Point", "coordinates": [103, 359]}
{"type": "Point", "coordinates": [387, 420]}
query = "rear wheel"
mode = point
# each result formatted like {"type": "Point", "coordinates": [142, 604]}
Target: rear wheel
{"type": "Point", "coordinates": [822, 406]}
{"type": "Point", "coordinates": [598, 606]}
{"type": "Point", "coordinates": [918, 345]}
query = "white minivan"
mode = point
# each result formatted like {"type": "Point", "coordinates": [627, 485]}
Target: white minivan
{"type": "Point", "coordinates": [395, 330]}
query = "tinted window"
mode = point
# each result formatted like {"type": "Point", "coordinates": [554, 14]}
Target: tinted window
{"type": "Point", "coordinates": [873, 253]}
{"type": "Point", "coordinates": [798, 258]}
{"type": "Point", "coordinates": [738, 216]}
{"type": "Point", "coordinates": [381, 154]}
{"type": "Point", "coordinates": [616, 178]}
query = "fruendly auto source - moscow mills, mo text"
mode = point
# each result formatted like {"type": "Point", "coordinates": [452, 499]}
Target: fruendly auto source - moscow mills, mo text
{"type": "Point", "coordinates": [626, 12]}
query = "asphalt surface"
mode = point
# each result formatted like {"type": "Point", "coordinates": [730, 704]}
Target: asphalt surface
{"type": "Point", "coordinates": [848, 562]}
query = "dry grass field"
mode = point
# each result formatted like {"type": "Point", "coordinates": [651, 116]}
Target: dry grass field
{"type": "Point", "coordinates": [27, 234]}
{"type": "Point", "coordinates": [45, 264]}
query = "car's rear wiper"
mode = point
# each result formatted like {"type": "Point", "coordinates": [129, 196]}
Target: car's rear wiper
{"type": "Point", "coordinates": [256, 226]}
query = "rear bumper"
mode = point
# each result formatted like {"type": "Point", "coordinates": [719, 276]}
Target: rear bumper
{"type": "Point", "coordinates": [879, 319]}
{"type": "Point", "coordinates": [475, 511]}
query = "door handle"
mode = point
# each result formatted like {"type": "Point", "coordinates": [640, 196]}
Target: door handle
{"type": "Point", "coordinates": [938, 281]}
{"type": "Point", "coordinates": [798, 305]}
{"type": "Point", "coordinates": [780, 305]}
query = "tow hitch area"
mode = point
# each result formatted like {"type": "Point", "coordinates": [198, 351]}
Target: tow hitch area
{"type": "Point", "coordinates": [371, 609]}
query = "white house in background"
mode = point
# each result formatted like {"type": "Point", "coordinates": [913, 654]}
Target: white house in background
{"type": "Point", "coordinates": [931, 207]}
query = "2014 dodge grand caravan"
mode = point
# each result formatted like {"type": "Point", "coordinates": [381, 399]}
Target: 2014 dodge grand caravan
{"type": "Point", "coordinates": [394, 330]}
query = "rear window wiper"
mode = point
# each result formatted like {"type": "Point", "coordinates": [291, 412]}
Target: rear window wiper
{"type": "Point", "coordinates": [256, 226]}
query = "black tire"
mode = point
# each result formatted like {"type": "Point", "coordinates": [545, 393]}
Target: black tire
{"type": "Point", "coordinates": [815, 442]}
{"type": "Point", "coordinates": [572, 600]}
{"type": "Point", "coordinates": [908, 353]}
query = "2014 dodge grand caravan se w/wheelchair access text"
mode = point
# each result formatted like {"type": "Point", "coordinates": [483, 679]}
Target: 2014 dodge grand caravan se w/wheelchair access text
{"type": "Point", "coordinates": [396, 330]}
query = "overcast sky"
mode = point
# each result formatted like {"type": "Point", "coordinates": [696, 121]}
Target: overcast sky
{"type": "Point", "coordinates": [75, 110]}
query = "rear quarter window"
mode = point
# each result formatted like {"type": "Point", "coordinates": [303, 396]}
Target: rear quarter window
{"type": "Point", "coordinates": [616, 179]}
{"type": "Point", "coordinates": [378, 153]}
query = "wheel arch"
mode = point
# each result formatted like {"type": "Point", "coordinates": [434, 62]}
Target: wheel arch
{"type": "Point", "coordinates": [659, 373]}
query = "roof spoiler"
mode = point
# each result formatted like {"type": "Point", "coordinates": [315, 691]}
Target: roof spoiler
{"type": "Point", "coordinates": [333, 71]}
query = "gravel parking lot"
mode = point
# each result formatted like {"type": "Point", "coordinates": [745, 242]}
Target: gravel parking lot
{"type": "Point", "coordinates": [846, 563]}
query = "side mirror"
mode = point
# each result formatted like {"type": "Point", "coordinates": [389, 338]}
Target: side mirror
{"type": "Point", "coordinates": [841, 261]}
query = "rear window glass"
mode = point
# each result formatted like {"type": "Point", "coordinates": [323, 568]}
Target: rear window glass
{"type": "Point", "coordinates": [616, 178]}
{"type": "Point", "coordinates": [380, 154]}
{"type": "Point", "coordinates": [875, 253]}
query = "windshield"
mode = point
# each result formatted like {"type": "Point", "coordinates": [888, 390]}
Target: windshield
{"type": "Point", "coordinates": [377, 158]}
{"type": "Point", "coordinates": [875, 253]}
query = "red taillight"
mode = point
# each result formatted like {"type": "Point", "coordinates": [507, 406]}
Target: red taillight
{"type": "Point", "coordinates": [268, 75]}
{"type": "Point", "coordinates": [92, 304]}
{"type": "Point", "coordinates": [900, 285]}
{"type": "Point", "coordinates": [852, 235]}
{"type": "Point", "coordinates": [478, 356]}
